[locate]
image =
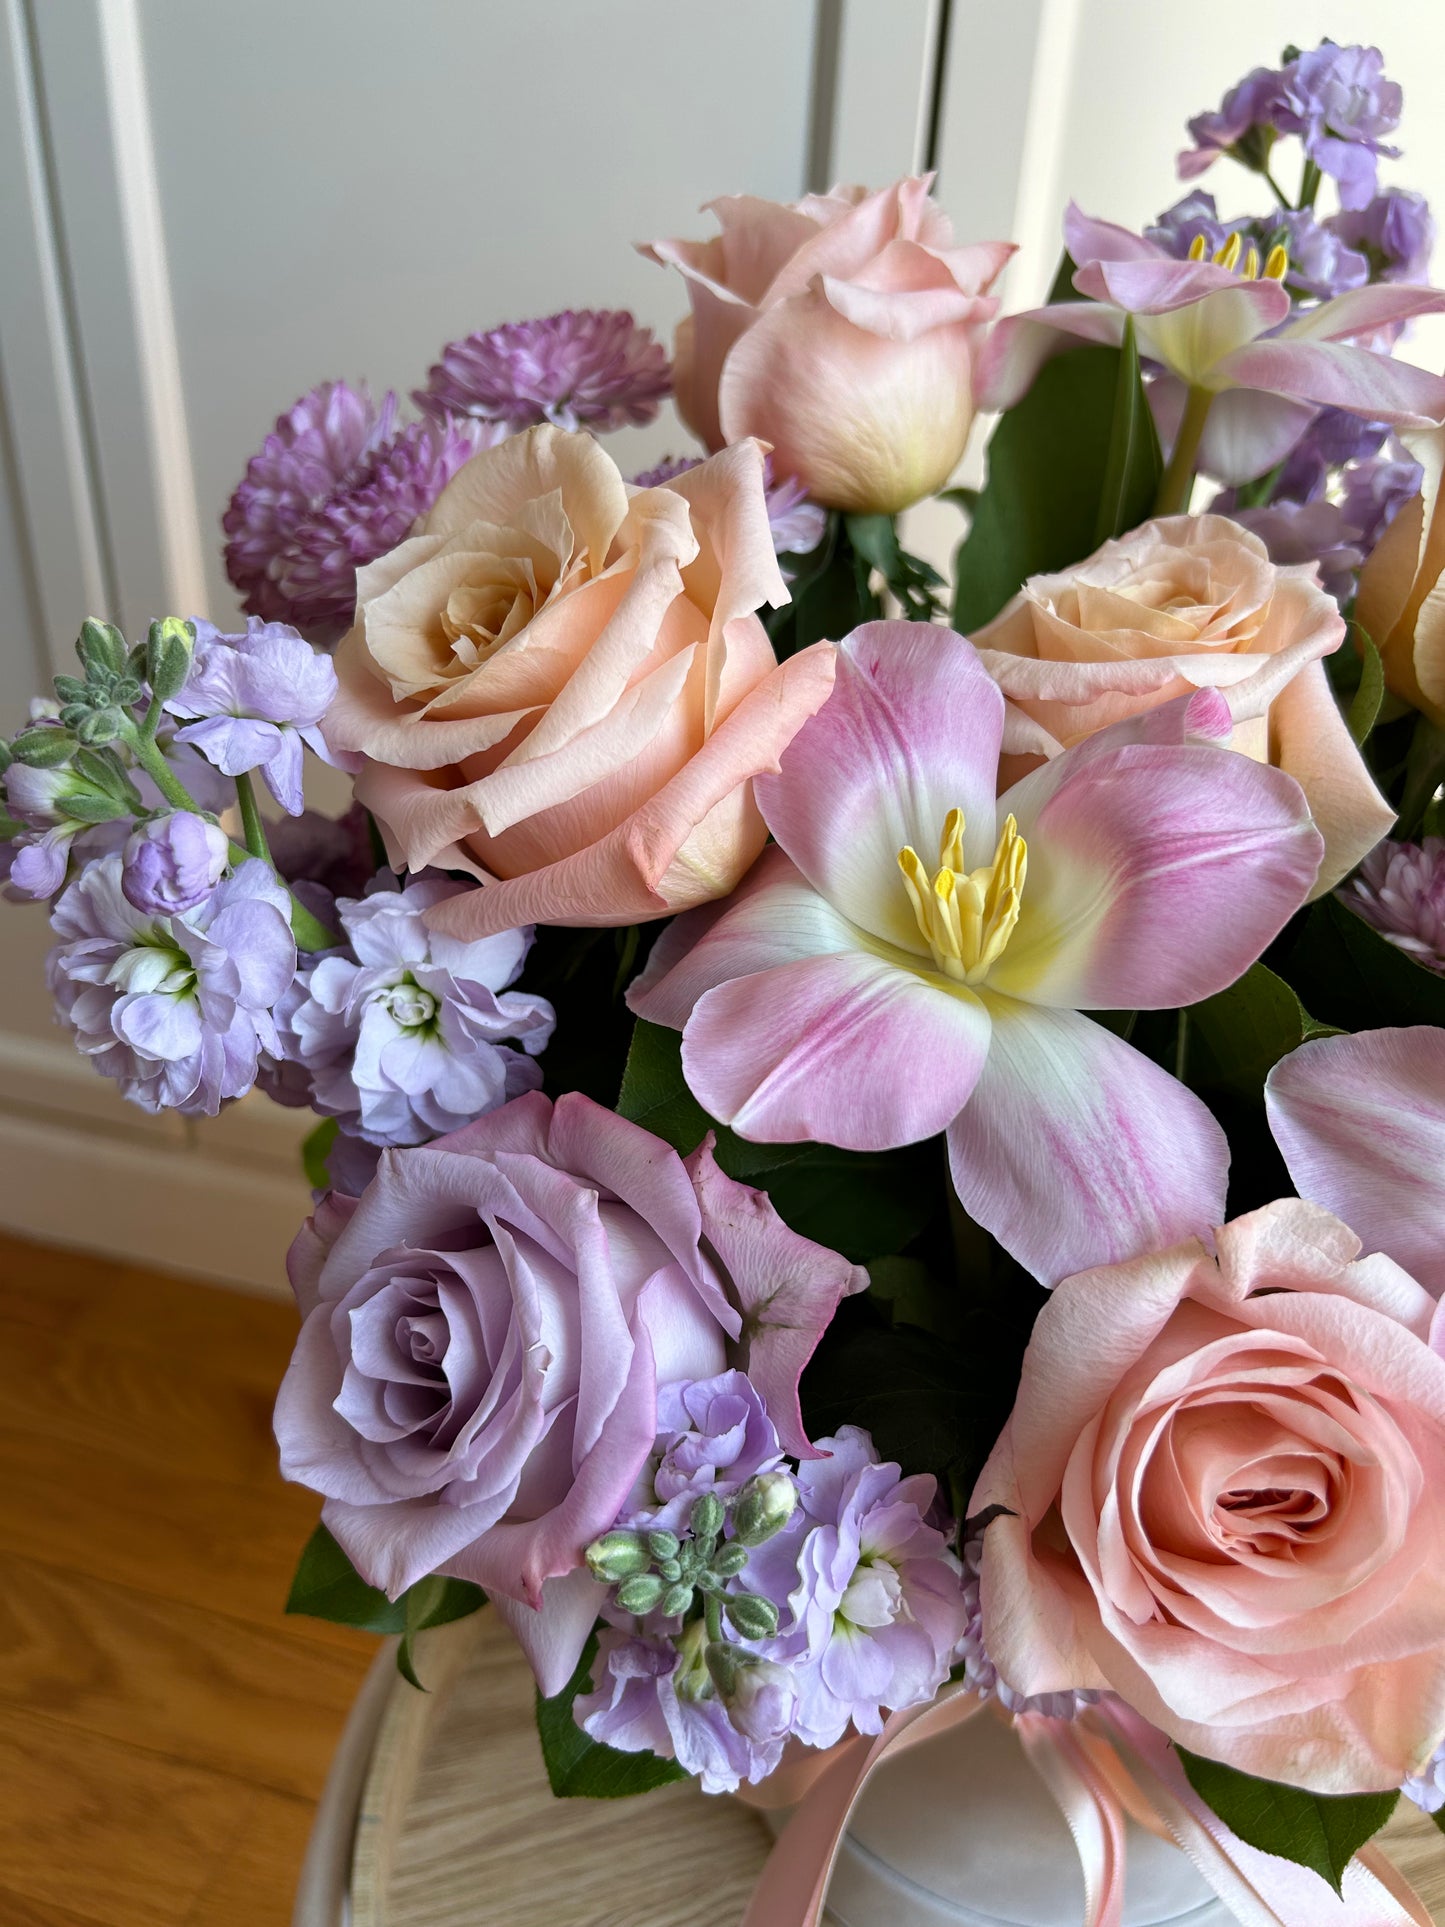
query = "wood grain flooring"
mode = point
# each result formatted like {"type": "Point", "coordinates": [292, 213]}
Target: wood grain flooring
{"type": "Point", "coordinates": [164, 1730]}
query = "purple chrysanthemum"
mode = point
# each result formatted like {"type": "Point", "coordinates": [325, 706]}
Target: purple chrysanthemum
{"type": "Point", "coordinates": [585, 368]}
{"type": "Point", "coordinates": [335, 485]}
{"type": "Point", "coordinates": [1399, 890]}
{"type": "Point", "coordinates": [979, 1672]}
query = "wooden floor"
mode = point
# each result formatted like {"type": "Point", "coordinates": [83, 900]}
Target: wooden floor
{"type": "Point", "coordinates": [164, 1731]}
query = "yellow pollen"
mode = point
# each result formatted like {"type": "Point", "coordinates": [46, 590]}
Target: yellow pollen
{"type": "Point", "coordinates": [1277, 266]}
{"type": "Point", "coordinates": [1228, 255]}
{"type": "Point", "coordinates": [1251, 265]}
{"type": "Point", "coordinates": [967, 916]}
{"type": "Point", "coordinates": [1197, 248]}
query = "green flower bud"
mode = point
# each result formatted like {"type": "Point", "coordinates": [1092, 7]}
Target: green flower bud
{"type": "Point", "coordinates": [640, 1593]}
{"type": "Point", "coordinates": [707, 1516]}
{"type": "Point", "coordinates": [43, 748]}
{"type": "Point", "coordinates": [169, 648]}
{"type": "Point", "coordinates": [101, 726]}
{"type": "Point", "coordinates": [670, 1570]}
{"type": "Point", "coordinates": [752, 1617]}
{"type": "Point", "coordinates": [663, 1544]}
{"type": "Point", "coordinates": [102, 649]}
{"type": "Point", "coordinates": [616, 1555]}
{"type": "Point", "coordinates": [70, 689]}
{"type": "Point", "coordinates": [764, 1507]}
{"type": "Point", "coordinates": [6, 759]}
{"type": "Point", "coordinates": [730, 1559]}
{"type": "Point", "coordinates": [675, 1601]}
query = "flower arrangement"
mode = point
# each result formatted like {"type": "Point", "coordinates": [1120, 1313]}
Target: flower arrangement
{"type": "Point", "coordinates": [742, 1003]}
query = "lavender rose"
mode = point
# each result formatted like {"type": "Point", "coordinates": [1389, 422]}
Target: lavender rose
{"type": "Point", "coordinates": [475, 1385]}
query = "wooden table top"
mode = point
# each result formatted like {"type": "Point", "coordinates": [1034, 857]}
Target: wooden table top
{"type": "Point", "coordinates": [459, 1828]}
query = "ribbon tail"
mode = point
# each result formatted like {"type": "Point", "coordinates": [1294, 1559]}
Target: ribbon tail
{"type": "Point", "coordinates": [1261, 1889]}
{"type": "Point", "coordinates": [794, 1883]}
{"type": "Point", "coordinates": [1090, 1807]}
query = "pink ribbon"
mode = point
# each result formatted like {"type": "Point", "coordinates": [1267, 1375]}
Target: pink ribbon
{"type": "Point", "coordinates": [1098, 1768]}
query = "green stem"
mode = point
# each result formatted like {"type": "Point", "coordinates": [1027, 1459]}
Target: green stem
{"type": "Point", "coordinates": [1309, 185]}
{"type": "Point", "coordinates": [144, 749]}
{"type": "Point", "coordinates": [1173, 496]}
{"type": "Point", "coordinates": [1181, 1046]}
{"type": "Point", "coordinates": [712, 1617]}
{"type": "Point", "coordinates": [251, 820]}
{"type": "Point", "coordinates": [1275, 188]}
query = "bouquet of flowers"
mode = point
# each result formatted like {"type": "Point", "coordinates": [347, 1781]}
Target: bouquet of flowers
{"type": "Point", "coordinates": [881, 1140]}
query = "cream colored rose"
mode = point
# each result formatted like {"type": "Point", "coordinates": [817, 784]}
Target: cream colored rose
{"type": "Point", "coordinates": [1190, 602]}
{"type": "Point", "coordinates": [560, 684]}
{"type": "Point", "coordinates": [1401, 604]}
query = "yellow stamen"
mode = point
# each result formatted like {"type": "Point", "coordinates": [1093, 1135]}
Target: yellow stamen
{"type": "Point", "coordinates": [1251, 265]}
{"type": "Point", "coordinates": [1228, 255]}
{"type": "Point", "coordinates": [1197, 248]}
{"type": "Point", "coordinates": [967, 916]}
{"type": "Point", "coordinates": [1277, 266]}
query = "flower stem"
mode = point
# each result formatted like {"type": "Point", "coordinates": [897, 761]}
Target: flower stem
{"type": "Point", "coordinates": [251, 821]}
{"type": "Point", "coordinates": [143, 748]}
{"type": "Point", "coordinates": [1309, 185]}
{"type": "Point", "coordinates": [712, 1617]}
{"type": "Point", "coordinates": [1181, 1046]}
{"type": "Point", "coordinates": [1174, 489]}
{"type": "Point", "coordinates": [1275, 188]}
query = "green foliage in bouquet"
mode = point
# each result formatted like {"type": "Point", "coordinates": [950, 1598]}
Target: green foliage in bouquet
{"type": "Point", "coordinates": [579, 1767]}
{"type": "Point", "coordinates": [327, 1586]}
{"type": "Point", "coordinates": [1315, 1830]}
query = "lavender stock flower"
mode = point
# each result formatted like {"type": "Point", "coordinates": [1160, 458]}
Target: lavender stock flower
{"type": "Point", "coordinates": [714, 1435]}
{"type": "Point", "coordinates": [334, 485]}
{"type": "Point", "coordinates": [172, 863]}
{"type": "Point", "coordinates": [1256, 106]}
{"type": "Point", "coordinates": [588, 368]}
{"type": "Point", "coordinates": [401, 1033]}
{"type": "Point", "coordinates": [256, 699]}
{"type": "Point", "coordinates": [1340, 103]}
{"type": "Point", "coordinates": [1395, 232]}
{"type": "Point", "coordinates": [175, 1009]}
{"type": "Point", "coordinates": [1322, 260]}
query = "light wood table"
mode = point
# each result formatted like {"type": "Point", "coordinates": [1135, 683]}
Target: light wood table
{"type": "Point", "coordinates": [457, 1826]}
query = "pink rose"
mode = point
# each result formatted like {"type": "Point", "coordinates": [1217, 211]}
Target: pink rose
{"type": "Point", "coordinates": [1190, 602]}
{"type": "Point", "coordinates": [474, 1389]}
{"type": "Point", "coordinates": [842, 330]}
{"type": "Point", "coordinates": [1224, 1493]}
{"type": "Point", "coordinates": [559, 684]}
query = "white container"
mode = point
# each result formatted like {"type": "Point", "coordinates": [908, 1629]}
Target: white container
{"type": "Point", "coordinates": [961, 1832]}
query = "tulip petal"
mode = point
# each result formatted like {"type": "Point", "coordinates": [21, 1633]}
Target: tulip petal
{"type": "Point", "coordinates": [1361, 311]}
{"type": "Point", "coordinates": [1156, 874]}
{"type": "Point", "coordinates": [1361, 1123]}
{"type": "Point", "coordinates": [1088, 239]}
{"type": "Point", "coordinates": [1019, 345]}
{"type": "Point", "coordinates": [911, 731]}
{"type": "Point", "coordinates": [783, 1056]}
{"type": "Point", "coordinates": [1076, 1151]}
{"type": "Point", "coordinates": [1334, 374]}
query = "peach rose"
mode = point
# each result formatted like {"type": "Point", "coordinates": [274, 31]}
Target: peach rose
{"type": "Point", "coordinates": [560, 685]}
{"type": "Point", "coordinates": [1401, 604]}
{"type": "Point", "coordinates": [842, 329]}
{"type": "Point", "coordinates": [1191, 602]}
{"type": "Point", "coordinates": [1224, 1493]}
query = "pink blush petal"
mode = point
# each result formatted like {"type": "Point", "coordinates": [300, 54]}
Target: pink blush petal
{"type": "Point", "coordinates": [847, 1050]}
{"type": "Point", "coordinates": [1156, 875]}
{"type": "Point", "coordinates": [1076, 1151]}
{"type": "Point", "coordinates": [1361, 1123]}
{"type": "Point", "coordinates": [911, 730]}
{"type": "Point", "coordinates": [1019, 345]}
{"type": "Point", "coordinates": [1334, 374]}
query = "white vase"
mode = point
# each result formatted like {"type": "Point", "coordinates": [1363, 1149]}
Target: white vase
{"type": "Point", "coordinates": [960, 1832]}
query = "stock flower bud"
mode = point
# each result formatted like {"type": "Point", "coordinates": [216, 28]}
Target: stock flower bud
{"type": "Point", "coordinates": [706, 1516]}
{"type": "Point", "coordinates": [616, 1556]}
{"type": "Point", "coordinates": [639, 1593]}
{"type": "Point", "coordinates": [170, 646]}
{"type": "Point", "coordinates": [102, 649]}
{"type": "Point", "coordinates": [730, 1560]}
{"type": "Point", "coordinates": [172, 863]}
{"type": "Point", "coordinates": [42, 747]}
{"type": "Point", "coordinates": [760, 1699]}
{"type": "Point", "coordinates": [753, 1618]}
{"type": "Point", "coordinates": [764, 1507]}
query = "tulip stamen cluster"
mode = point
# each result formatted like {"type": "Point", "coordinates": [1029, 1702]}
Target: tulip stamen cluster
{"type": "Point", "coordinates": [967, 916]}
{"type": "Point", "coordinates": [1276, 265]}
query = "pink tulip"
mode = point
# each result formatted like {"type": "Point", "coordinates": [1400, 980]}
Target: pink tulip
{"type": "Point", "coordinates": [1221, 334]}
{"type": "Point", "coordinates": [841, 330]}
{"type": "Point", "coordinates": [851, 994]}
{"type": "Point", "coordinates": [1361, 1123]}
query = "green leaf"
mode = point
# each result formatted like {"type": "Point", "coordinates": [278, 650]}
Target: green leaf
{"type": "Point", "coordinates": [433, 1601]}
{"type": "Point", "coordinates": [1438, 1816]}
{"type": "Point", "coordinates": [1424, 774]}
{"type": "Point", "coordinates": [1135, 462]}
{"type": "Point", "coordinates": [1348, 974]}
{"type": "Point", "coordinates": [1365, 705]}
{"type": "Point", "coordinates": [830, 595]}
{"type": "Point", "coordinates": [1315, 1830]}
{"type": "Point", "coordinates": [315, 1149]}
{"type": "Point", "coordinates": [1048, 463]}
{"type": "Point", "coordinates": [913, 581]}
{"type": "Point", "coordinates": [905, 1387]}
{"type": "Point", "coordinates": [1238, 1036]}
{"type": "Point", "coordinates": [579, 1767]}
{"type": "Point", "coordinates": [862, 1203]}
{"type": "Point", "coordinates": [327, 1586]}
